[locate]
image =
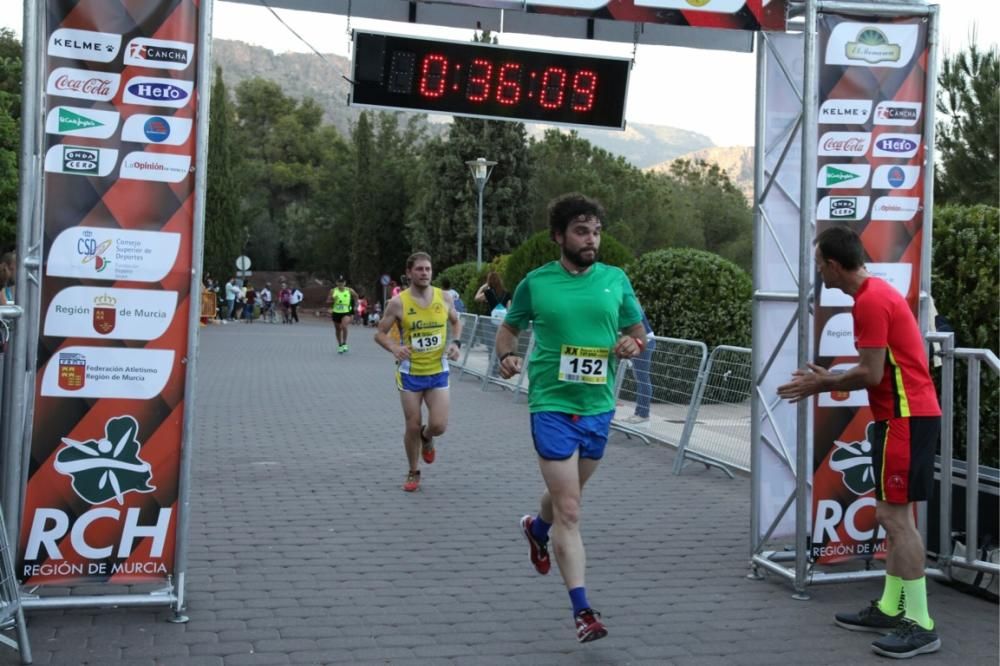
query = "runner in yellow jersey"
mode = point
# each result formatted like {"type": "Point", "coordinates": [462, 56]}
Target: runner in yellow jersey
{"type": "Point", "coordinates": [422, 315]}
{"type": "Point", "coordinates": [340, 300]}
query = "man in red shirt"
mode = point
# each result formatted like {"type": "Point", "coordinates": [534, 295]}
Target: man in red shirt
{"type": "Point", "coordinates": [892, 367]}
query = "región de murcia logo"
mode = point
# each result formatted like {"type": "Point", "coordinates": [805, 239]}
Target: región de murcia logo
{"type": "Point", "coordinates": [107, 467]}
{"type": "Point", "coordinates": [854, 462]}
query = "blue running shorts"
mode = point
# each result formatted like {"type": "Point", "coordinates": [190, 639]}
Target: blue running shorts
{"type": "Point", "coordinates": [419, 383]}
{"type": "Point", "coordinates": [558, 436]}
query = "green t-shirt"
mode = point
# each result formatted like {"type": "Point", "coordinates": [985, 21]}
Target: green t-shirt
{"type": "Point", "coordinates": [577, 320]}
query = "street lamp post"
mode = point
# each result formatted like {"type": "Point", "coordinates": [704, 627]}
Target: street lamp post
{"type": "Point", "coordinates": [481, 169]}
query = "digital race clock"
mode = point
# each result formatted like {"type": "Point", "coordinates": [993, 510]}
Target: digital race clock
{"type": "Point", "coordinates": [488, 81]}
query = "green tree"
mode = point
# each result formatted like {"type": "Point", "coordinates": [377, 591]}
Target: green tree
{"type": "Point", "coordinates": [223, 222]}
{"type": "Point", "coordinates": [968, 135]}
{"type": "Point", "coordinates": [10, 134]}
{"type": "Point", "coordinates": [364, 245]}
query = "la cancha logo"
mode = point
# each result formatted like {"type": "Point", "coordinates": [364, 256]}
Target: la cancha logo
{"type": "Point", "coordinates": [107, 467]}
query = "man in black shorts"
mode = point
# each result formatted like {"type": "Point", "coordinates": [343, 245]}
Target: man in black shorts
{"type": "Point", "coordinates": [892, 367]}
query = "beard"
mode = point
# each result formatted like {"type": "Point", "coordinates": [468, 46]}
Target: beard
{"type": "Point", "coordinates": [577, 258]}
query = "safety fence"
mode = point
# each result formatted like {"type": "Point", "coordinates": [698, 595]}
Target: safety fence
{"type": "Point", "coordinates": [11, 610]}
{"type": "Point", "coordinates": [960, 549]}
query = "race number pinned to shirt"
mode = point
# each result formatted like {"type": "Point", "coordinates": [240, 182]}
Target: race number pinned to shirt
{"type": "Point", "coordinates": [425, 343]}
{"type": "Point", "coordinates": [588, 365]}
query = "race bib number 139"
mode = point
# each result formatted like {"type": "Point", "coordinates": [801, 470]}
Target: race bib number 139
{"type": "Point", "coordinates": [588, 365]}
{"type": "Point", "coordinates": [426, 342]}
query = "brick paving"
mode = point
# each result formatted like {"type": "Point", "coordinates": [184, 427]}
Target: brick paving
{"type": "Point", "coordinates": [304, 550]}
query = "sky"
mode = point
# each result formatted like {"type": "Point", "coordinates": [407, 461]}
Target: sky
{"type": "Point", "coordinates": [709, 92]}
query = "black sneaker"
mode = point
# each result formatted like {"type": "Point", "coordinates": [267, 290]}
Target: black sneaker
{"type": "Point", "coordinates": [870, 618]}
{"type": "Point", "coordinates": [908, 640]}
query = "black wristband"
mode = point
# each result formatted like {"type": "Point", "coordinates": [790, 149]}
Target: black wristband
{"type": "Point", "coordinates": [457, 343]}
{"type": "Point", "coordinates": [503, 356]}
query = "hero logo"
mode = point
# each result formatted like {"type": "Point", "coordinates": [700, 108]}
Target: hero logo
{"type": "Point", "coordinates": [83, 84]}
{"type": "Point", "coordinates": [895, 177]}
{"type": "Point", "coordinates": [845, 111]}
{"type": "Point", "coordinates": [151, 91]}
{"type": "Point", "coordinates": [84, 45]}
{"type": "Point", "coordinates": [897, 113]}
{"type": "Point", "coordinates": [158, 53]}
{"type": "Point", "coordinates": [844, 143]}
{"type": "Point", "coordinates": [896, 145]}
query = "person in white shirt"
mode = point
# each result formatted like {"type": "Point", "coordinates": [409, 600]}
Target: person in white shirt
{"type": "Point", "coordinates": [232, 293]}
{"type": "Point", "coordinates": [295, 300]}
{"type": "Point", "coordinates": [266, 300]}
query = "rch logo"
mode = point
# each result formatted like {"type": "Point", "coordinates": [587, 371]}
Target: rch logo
{"type": "Point", "coordinates": [107, 467]}
{"type": "Point", "coordinates": [854, 462]}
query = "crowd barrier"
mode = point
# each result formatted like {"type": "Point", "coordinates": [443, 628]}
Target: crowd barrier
{"type": "Point", "coordinates": [479, 357]}
{"type": "Point", "coordinates": [11, 610]}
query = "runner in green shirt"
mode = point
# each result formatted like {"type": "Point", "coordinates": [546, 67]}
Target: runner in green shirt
{"type": "Point", "coordinates": [585, 317]}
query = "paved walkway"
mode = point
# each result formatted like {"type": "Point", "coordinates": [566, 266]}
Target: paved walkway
{"type": "Point", "coordinates": [304, 550]}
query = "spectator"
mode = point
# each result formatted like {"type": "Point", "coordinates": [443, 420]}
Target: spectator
{"type": "Point", "coordinates": [249, 300]}
{"type": "Point", "coordinates": [285, 299]}
{"type": "Point", "coordinates": [232, 295]}
{"type": "Point", "coordinates": [293, 302]}
{"type": "Point", "coordinates": [8, 267]}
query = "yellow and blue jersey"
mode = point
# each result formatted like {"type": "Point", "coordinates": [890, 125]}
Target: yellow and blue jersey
{"type": "Point", "coordinates": [424, 330]}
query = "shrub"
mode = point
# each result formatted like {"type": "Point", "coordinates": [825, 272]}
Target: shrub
{"type": "Point", "coordinates": [694, 295]}
{"type": "Point", "coordinates": [965, 287]}
{"type": "Point", "coordinates": [460, 275]}
{"type": "Point", "coordinates": [540, 249]}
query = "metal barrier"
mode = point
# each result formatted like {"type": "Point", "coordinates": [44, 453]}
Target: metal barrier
{"type": "Point", "coordinates": [975, 359]}
{"type": "Point", "coordinates": [469, 324]}
{"type": "Point", "coordinates": [11, 610]}
{"type": "Point", "coordinates": [519, 383]}
{"type": "Point", "coordinates": [660, 385]}
{"type": "Point", "coordinates": [721, 436]}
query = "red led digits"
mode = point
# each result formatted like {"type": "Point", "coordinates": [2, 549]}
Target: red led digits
{"type": "Point", "coordinates": [584, 87]}
{"type": "Point", "coordinates": [553, 88]}
{"type": "Point", "coordinates": [478, 89]}
{"type": "Point", "coordinates": [432, 75]}
{"type": "Point", "coordinates": [509, 83]}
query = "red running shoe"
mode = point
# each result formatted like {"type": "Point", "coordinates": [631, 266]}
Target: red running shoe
{"type": "Point", "coordinates": [538, 551]}
{"type": "Point", "coordinates": [412, 482]}
{"type": "Point", "coordinates": [589, 626]}
{"type": "Point", "coordinates": [427, 451]}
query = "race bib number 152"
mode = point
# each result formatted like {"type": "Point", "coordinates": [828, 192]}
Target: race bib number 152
{"type": "Point", "coordinates": [588, 365]}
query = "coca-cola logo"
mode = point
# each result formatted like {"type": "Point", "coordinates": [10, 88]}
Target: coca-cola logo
{"type": "Point", "coordinates": [91, 86]}
{"type": "Point", "coordinates": [844, 145]}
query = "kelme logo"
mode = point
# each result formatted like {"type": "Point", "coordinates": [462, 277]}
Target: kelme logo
{"type": "Point", "coordinates": [872, 47]}
{"type": "Point", "coordinates": [854, 462]}
{"type": "Point", "coordinates": [107, 467]}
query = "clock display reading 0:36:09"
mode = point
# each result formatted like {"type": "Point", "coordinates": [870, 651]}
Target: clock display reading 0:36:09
{"type": "Point", "coordinates": [485, 80]}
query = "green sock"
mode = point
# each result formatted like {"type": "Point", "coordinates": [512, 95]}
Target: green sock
{"type": "Point", "coordinates": [892, 595]}
{"type": "Point", "coordinates": [916, 602]}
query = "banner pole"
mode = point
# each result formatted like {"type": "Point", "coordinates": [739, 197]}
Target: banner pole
{"type": "Point", "coordinates": [807, 208]}
{"type": "Point", "coordinates": [194, 313]}
{"type": "Point", "coordinates": [760, 106]}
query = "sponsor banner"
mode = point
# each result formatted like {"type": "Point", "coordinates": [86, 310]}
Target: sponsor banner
{"type": "Point", "coordinates": [896, 209]}
{"type": "Point", "coordinates": [843, 176]}
{"type": "Point", "coordinates": [731, 14]}
{"type": "Point", "coordinates": [83, 84]}
{"type": "Point", "coordinates": [844, 112]}
{"type": "Point", "coordinates": [844, 144]}
{"type": "Point", "coordinates": [842, 208]}
{"type": "Point", "coordinates": [159, 167]}
{"type": "Point", "coordinates": [883, 60]}
{"type": "Point", "coordinates": [152, 91]}
{"type": "Point", "coordinates": [80, 160]}
{"type": "Point", "coordinates": [102, 496]}
{"type": "Point", "coordinates": [75, 121]}
{"type": "Point", "coordinates": [118, 314]}
{"type": "Point", "coordinates": [872, 45]}
{"type": "Point", "coordinates": [113, 254]}
{"type": "Point", "coordinates": [103, 372]}
{"type": "Point", "coordinates": [159, 53]}
{"type": "Point", "coordinates": [84, 45]}
{"type": "Point", "coordinates": [165, 130]}
{"type": "Point", "coordinates": [896, 145]}
{"type": "Point", "coordinates": [897, 274]}
{"type": "Point", "coordinates": [895, 177]}
{"type": "Point", "coordinates": [904, 114]}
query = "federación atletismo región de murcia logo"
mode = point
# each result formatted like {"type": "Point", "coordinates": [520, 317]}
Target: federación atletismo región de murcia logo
{"type": "Point", "coordinates": [107, 467]}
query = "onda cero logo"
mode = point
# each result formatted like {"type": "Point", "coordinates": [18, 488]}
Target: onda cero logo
{"type": "Point", "coordinates": [109, 467]}
{"type": "Point", "coordinates": [152, 91]}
